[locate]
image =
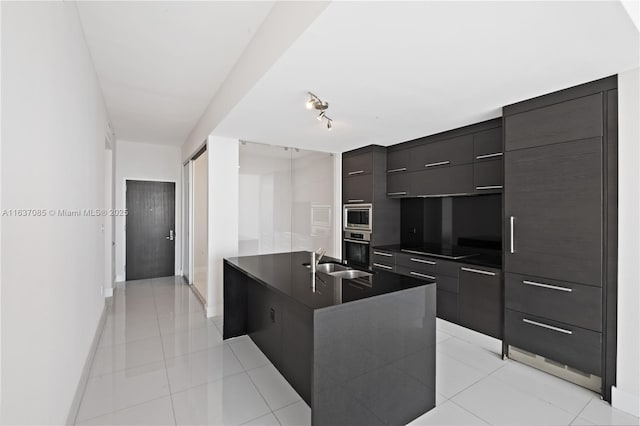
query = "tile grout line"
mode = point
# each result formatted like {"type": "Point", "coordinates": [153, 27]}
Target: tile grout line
{"type": "Point", "coordinates": [164, 357]}
{"type": "Point", "coordinates": [470, 412]}
{"type": "Point", "coordinates": [122, 409]}
{"type": "Point", "coordinates": [581, 410]}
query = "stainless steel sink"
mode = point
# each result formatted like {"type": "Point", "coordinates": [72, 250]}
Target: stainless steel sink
{"type": "Point", "coordinates": [350, 274]}
{"type": "Point", "coordinates": [331, 268]}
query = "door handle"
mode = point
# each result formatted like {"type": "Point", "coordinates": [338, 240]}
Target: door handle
{"type": "Point", "coordinates": [439, 163]}
{"type": "Point", "coordinates": [170, 237]}
{"type": "Point", "coordinates": [512, 243]}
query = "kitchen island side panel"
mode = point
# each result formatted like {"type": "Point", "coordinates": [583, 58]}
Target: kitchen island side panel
{"type": "Point", "coordinates": [374, 359]}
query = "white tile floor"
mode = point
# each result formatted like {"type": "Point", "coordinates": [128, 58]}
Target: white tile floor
{"type": "Point", "coordinates": [160, 361]}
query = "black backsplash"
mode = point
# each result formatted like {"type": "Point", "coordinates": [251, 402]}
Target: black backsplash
{"type": "Point", "coordinates": [452, 221]}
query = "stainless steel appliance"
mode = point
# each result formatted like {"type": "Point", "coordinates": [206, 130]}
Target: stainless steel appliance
{"type": "Point", "coordinates": [358, 218]}
{"type": "Point", "coordinates": [356, 247]}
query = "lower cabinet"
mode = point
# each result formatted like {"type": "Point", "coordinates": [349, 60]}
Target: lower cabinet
{"type": "Point", "coordinates": [480, 300]}
{"type": "Point", "coordinates": [447, 306]}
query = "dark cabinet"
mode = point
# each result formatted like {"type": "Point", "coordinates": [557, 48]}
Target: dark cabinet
{"type": "Point", "coordinates": [558, 300]}
{"type": "Point", "coordinates": [356, 165]}
{"type": "Point", "coordinates": [487, 144]}
{"type": "Point", "coordinates": [437, 181]}
{"type": "Point", "coordinates": [448, 152]}
{"type": "Point", "coordinates": [488, 176]}
{"type": "Point", "coordinates": [480, 300]}
{"type": "Point", "coordinates": [264, 320]}
{"type": "Point", "coordinates": [564, 121]}
{"type": "Point", "coordinates": [447, 306]}
{"type": "Point", "coordinates": [357, 189]}
{"type": "Point", "coordinates": [553, 211]}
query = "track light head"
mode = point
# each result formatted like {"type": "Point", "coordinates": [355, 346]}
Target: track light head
{"type": "Point", "coordinates": [329, 125]}
{"type": "Point", "coordinates": [320, 116]}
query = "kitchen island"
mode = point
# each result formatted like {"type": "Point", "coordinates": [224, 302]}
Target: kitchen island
{"type": "Point", "coordinates": [359, 351]}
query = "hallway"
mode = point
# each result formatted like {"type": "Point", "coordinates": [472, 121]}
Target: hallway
{"type": "Point", "coordinates": [161, 361]}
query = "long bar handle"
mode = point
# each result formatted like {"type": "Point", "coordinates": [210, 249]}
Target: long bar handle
{"type": "Point", "coordinates": [401, 169]}
{"type": "Point", "coordinates": [488, 187]}
{"type": "Point", "coordinates": [428, 262]}
{"type": "Point", "coordinates": [418, 274]}
{"type": "Point", "coordinates": [547, 326]}
{"type": "Point", "coordinates": [397, 193]}
{"type": "Point", "coordinates": [348, 240]}
{"type": "Point", "coordinates": [379, 265]}
{"type": "Point", "coordinates": [439, 163]}
{"type": "Point", "coordinates": [380, 253]}
{"type": "Point", "coordinates": [355, 201]}
{"type": "Point", "coordinates": [478, 271]}
{"type": "Point", "coordinates": [495, 154]}
{"type": "Point", "coordinates": [357, 172]}
{"type": "Point", "coordinates": [512, 243]}
{"type": "Point", "coordinates": [549, 286]}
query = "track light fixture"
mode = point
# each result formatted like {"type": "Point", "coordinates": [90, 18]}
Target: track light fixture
{"type": "Point", "coordinates": [316, 103]}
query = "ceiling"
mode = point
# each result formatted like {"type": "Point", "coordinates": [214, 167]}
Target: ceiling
{"type": "Point", "coordinates": [395, 71]}
{"type": "Point", "coordinates": [160, 63]}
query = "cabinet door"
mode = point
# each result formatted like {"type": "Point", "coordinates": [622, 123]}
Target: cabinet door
{"type": "Point", "coordinates": [487, 145]}
{"type": "Point", "coordinates": [401, 184]}
{"type": "Point", "coordinates": [487, 176]}
{"type": "Point", "coordinates": [566, 121]}
{"type": "Point", "coordinates": [480, 300]}
{"type": "Point", "coordinates": [401, 161]}
{"type": "Point", "coordinates": [553, 211]}
{"type": "Point", "coordinates": [444, 181]}
{"type": "Point", "coordinates": [264, 318]}
{"type": "Point", "coordinates": [357, 189]}
{"type": "Point", "coordinates": [447, 306]}
{"type": "Point", "coordinates": [360, 164]}
{"type": "Point", "coordinates": [449, 152]}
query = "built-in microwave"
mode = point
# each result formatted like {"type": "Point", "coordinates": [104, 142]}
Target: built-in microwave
{"type": "Point", "coordinates": [358, 217]}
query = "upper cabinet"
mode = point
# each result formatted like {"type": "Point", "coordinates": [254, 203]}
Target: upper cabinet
{"type": "Point", "coordinates": [458, 162]}
{"type": "Point", "coordinates": [356, 165]}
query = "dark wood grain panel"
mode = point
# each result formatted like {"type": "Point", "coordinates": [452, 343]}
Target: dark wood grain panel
{"type": "Point", "coordinates": [567, 121]}
{"type": "Point", "coordinates": [480, 304]}
{"type": "Point", "coordinates": [359, 164]}
{"type": "Point", "coordinates": [357, 189]}
{"type": "Point", "coordinates": [150, 220]}
{"type": "Point", "coordinates": [554, 193]}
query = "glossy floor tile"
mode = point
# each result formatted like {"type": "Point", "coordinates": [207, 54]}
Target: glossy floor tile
{"type": "Point", "coordinates": [160, 361]}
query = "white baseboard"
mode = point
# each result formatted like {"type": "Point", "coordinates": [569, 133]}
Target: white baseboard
{"type": "Point", "coordinates": [119, 278]}
{"type": "Point", "coordinates": [625, 401]}
{"type": "Point", "coordinates": [84, 377]}
{"type": "Point", "coordinates": [214, 311]}
{"type": "Point", "coordinates": [107, 292]}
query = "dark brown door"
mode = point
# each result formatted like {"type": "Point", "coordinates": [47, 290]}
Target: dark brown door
{"type": "Point", "coordinates": [553, 197]}
{"type": "Point", "coordinates": [150, 229]}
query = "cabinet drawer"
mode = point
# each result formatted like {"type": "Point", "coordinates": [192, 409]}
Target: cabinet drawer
{"type": "Point", "coordinates": [562, 301]}
{"type": "Point", "coordinates": [383, 257]}
{"type": "Point", "coordinates": [487, 176]}
{"type": "Point", "coordinates": [447, 306]}
{"type": "Point", "coordinates": [487, 145]}
{"type": "Point", "coordinates": [355, 165]}
{"type": "Point", "coordinates": [383, 266]}
{"type": "Point", "coordinates": [357, 189]}
{"type": "Point", "coordinates": [402, 161]}
{"type": "Point", "coordinates": [443, 282]}
{"type": "Point", "coordinates": [567, 121]}
{"type": "Point", "coordinates": [402, 184]}
{"type": "Point", "coordinates": [429, 265]}
{"type": "Point", "coordinates": [449, 152]}
{"type": "Point", "coordinates": [568, 344]}
{"type": "Point", "coordinates": [480, 300]}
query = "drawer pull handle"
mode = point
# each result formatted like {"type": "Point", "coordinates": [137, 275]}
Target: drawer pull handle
{"type": "Point", "coordinates": [397, 193]}
{"type": "Point", "coordinates": [401, 169]}
{"type": "Point", "coordinates": [439, 163]}
{"type": "Point", "coordinates": [418, 274]}
{"type": "Point", "coordinates": [479, 271]}
{"type": "Point", "coordinates": [552, 287]}
{"type": "Point", "coordinates": [380, 265]}
{"type": "Point", "coordinates": [355, 201]}
{"type": "Point", "coordinates": [550, 327]}
{"type": "Point", "coordinates": [357, 172]}
{"type": "Point", "coordinates": [349, 240]}
{"type": "Point", "coordinates": [382, 254]}
{"type": "Point", "coordinates": [495, 154]}
{"type": "Point", "coordinates": [428, 262]}
{"type": "Point", "coordinates": [489, 187]}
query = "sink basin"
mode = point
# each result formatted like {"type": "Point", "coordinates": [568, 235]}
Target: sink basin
{"type": "Point", "coordinates": [350, 274]}
{"type": "Point", "coordinates": [331, 268]}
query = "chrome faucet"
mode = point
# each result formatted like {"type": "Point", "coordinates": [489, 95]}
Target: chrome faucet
{"type": "Point", "coordinates": [316, 256]}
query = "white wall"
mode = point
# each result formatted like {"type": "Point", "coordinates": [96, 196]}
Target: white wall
{"type": "Point", "coordinates": [626, 394]}
{"type": "Point", "coordinates": [200, 229]}
{"type": "Point", "coordinates": [53, 133]}
{"type": "Point", "coordinates": [142, 161]}
{"type": "Point", "coordinates": [223, 214]}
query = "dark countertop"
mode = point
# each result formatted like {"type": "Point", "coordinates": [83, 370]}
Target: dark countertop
{"type": "Point", "coordinates": [481, 257]}
{"type": "Point", "coordinates": [286, 273]}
